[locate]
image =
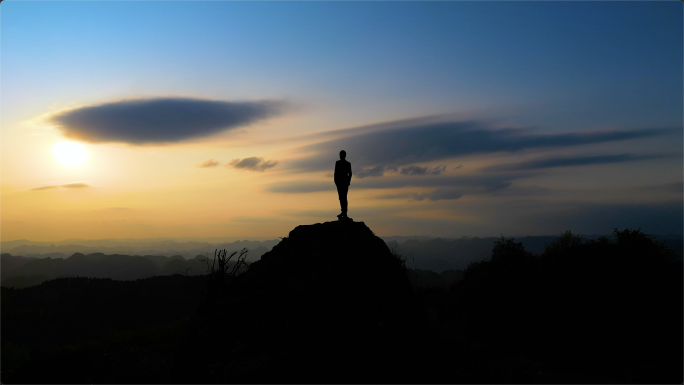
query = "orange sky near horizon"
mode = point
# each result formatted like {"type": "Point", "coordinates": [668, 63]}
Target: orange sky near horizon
{"type": "Point", "coordinates": [459, 119]}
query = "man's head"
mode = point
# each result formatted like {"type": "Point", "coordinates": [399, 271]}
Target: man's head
{"type": "Point", "coordinates": [343, 154]}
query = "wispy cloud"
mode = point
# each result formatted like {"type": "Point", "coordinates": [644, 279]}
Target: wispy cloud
{"type": "Point", "coordinates": [209, 163]}
{"type": "Point", "coordinates": [468, 183]}
{"type": "Point", "coordinates": [255, 219]}
{"type": "Point", "coordinates": [161, 120]}
{"type": "Point", "coordinates": [380, 170]}
{"type": "Point", "coordinates": [370, 172]}
{"type": "Point", "coordinates": [311, 213]}
{"type": "Point", "coordinates": [44, 188]}
{"type": "Point", "coordinates": [252, 164]}
{"type": "Point", "coordinates": [417, 170]}
{"type": "Point", "coordinates": [446, 193]}
{"type": "Point", "coordinates": [675, 187]}
{"type": "Point", "coordinates": [572, 161]}
{"type": "Point", "coordinates": [362, 211]}
{"type": "Point", "coordinates": [442, 193]}
{"type": "Point", "coordinates": [74, 185]}
{"type": "Point", "coordinates": [115, 209]}
{"type": "Point", "coordinates": [299, 186]}
{"type": "Point", "coordinates": [423, 140]}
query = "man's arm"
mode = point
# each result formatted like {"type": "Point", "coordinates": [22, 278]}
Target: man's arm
{"type": "Point", "coordinates": [350, 172]}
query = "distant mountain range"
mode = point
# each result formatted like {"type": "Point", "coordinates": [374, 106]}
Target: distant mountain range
{"type": "Point", "coordinates": [441, 254]}
{"type": "Point", "coordinates": [151, 246]}
{"type": "Point", "coordinates": [139, 258]}
{"type": "Point", "coordinates": [22, 272]}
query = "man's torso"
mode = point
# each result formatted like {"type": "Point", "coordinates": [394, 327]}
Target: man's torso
{"type": "Point", "coordinates": [342, 171]}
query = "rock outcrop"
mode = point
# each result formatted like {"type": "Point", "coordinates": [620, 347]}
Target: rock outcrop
{"type": "Point", "coordinates": [329, 303]}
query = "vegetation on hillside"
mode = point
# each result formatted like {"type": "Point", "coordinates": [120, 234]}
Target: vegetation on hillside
{"type": "Point", "coordinates": [607, 310]}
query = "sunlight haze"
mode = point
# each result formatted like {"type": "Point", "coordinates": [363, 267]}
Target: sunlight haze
{"type": "Point", "coordinates": [225, 119]}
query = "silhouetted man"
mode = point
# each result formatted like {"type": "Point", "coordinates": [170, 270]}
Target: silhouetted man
{"type": "Point", "coordinates": [343, 176]}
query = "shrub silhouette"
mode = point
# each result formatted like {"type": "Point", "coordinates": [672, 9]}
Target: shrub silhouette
{"type": "Point", "coordinates": [220, 275]}
{"type": "Point", "coordinates": [599, 304]}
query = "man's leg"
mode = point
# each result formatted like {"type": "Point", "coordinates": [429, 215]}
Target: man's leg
{"type": "Point", "coordinates": [339, 196]}
{"type": "Point", "coordinates": [343, 199]}
{"type": "Point", "coordinates": [342, 195]}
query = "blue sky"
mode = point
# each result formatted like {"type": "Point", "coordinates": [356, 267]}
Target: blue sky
{"type": "Point", "coordinates": [554, 67]}
{"type": "Point", "coordinates": [622, 56]}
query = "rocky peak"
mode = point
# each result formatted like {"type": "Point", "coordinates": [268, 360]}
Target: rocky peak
{"type": "Point", "coordinates": [329, 303]}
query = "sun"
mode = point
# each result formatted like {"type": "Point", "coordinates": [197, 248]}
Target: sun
{"type": "Point", "coordinates": [70, 154]}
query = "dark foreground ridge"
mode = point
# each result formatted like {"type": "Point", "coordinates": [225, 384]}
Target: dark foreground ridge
{"type": "Point", "coordinates": [330, 303]}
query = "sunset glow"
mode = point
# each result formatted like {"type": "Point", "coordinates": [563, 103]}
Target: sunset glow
{"type": "Point", "coordinates": [70, 154]}
{"type": "Point", "coordinates": [225, 119]}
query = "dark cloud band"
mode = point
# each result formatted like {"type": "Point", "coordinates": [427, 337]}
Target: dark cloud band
{"type": "Point", "coordinates": [370, 172]}
{"type": "Point", "coordinates": [417, 170]}
{"type": "Point", "coordinates": [423, 141]}
{"type": "Point", "coordinates": [161, 120]}
{"type": "Point", "coordinates": [470, 182]}
{"type": "Point", "coordinates": [573, 161]}
{"type": "Point", "coordinates": [252, 164]}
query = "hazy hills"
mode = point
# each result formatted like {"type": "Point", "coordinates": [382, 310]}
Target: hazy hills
{"type": "Point", "coordinates": [150, 246]}
{"type": "Point", "coordinates": [440, 254]}
{"type": "Point", "coordinates": [21, 272]}
{"type": "Point", "coordinates": [436, 262]}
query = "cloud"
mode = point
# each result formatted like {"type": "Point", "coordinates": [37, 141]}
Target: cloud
{"type": "Point", "coordinates": [66, 185]}
{"type": "Point", "coordinates": [75, 185]}
{"type": "Point", "coordinates": [442, 193]}
{"type": "Point", "coordinates": [489, 182]}
{"type": "Point", "coordinates": [43, 188]}
{"type": "Point", "coordinates": [572, 161]}
{"type": "Point", "coordinates": [209, 163]}
{"type": "Point", "coordinates": [675, 187]}
{"type": "Point", "coordinates": [299, 186]}
{"type": "Point", "coordinates": [311, 213]}
{"type": "Point", "coordinates": [255, 219]}
{"type": "Point", "coordinates": [417, 170]}
{"type": "Point", "coordinates": [362, 211]}
{"type": "Point", "coordinates": [410, 170]}
{"type": "Point", "coordinates": [370, 172]}
{"type": "Point", "coordinates": [424, 140]}
{"type": "Point", "coordinates": [160, 120]}
{"type": "Point", "coordinates": [449, 193]}
{"type": "Point", "coordinates": [472, 184]}
{"type": "Point", "coordinates": [252, 164]}
{"type": "Point", "coordinates": [379, 170]}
